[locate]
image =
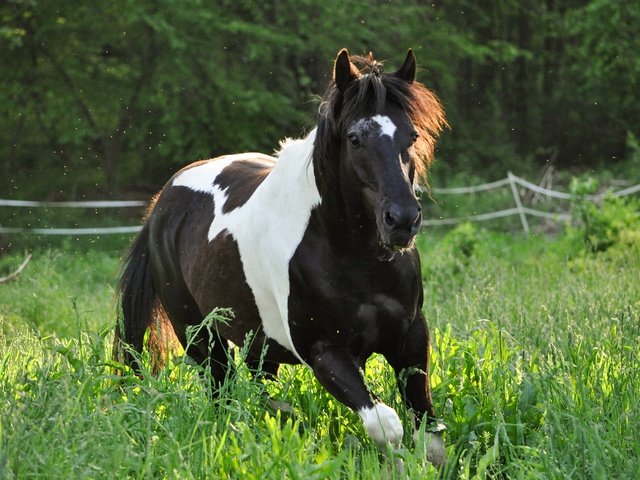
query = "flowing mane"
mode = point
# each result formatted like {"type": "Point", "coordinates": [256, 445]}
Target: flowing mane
{"type": "Point", "coordinates": [369, 94]}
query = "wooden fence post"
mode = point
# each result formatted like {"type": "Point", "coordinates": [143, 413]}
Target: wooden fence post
{"type": "Point", "coordinates": [516, 197]}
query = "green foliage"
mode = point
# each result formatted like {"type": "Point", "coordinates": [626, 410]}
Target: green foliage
{"type": "Point", "coordinates": [606, 63]}
{"type": "Point", "coordinates": [456, 250]}
{"type": "Point", "coordinates": [59, 291]}
{"type": "Point", "coordinates": [463, 240]}
{"type": "Point", "coordinates": [546, 347]}
{"type": "Point", "coordinates": [601, 225]}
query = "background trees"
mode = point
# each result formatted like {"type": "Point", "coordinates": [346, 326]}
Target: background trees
{"type": "Point", "coordinates": [107, 97]}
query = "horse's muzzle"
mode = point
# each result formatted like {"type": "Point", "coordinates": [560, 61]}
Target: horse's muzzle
{"type": "Point", "coordinates": [400, 226]}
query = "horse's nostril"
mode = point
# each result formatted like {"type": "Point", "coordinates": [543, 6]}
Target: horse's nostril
{"type": "Point", "coordinates": [390, 219]}
{"type": "Point", "coordinates": [416, 224]}
{"type": "Point", "coordinates": [401, 219]}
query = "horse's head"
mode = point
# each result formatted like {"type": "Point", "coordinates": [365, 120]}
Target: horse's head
{"type": "Point", "coordinates": [383, 129]}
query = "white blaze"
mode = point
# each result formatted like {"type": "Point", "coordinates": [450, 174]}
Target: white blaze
{"type": "Point", "coordinates": [387, 127]}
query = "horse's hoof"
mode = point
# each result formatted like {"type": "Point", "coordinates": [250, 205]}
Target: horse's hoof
{"type": "Point", "coordinates": [435, 449]}
{"type": "Point", "coordinates": [433, 446]}
{"type": "Point", "coordinates": [382, 424]}
{"type": "Point", "coordinates": [278, 406]}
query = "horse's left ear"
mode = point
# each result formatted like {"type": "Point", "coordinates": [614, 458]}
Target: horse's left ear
{"type": "Point", "coordinates": [407, 71]}
{"type": "Point", "coordinates": [344, 72]}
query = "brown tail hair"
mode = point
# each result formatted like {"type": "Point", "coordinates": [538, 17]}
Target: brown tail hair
{"type": "Point", "coordinates": [140, 310]}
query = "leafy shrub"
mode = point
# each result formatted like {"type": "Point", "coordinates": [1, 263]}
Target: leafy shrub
{"type": "Point", "coordinates": [463, 240]}
{"type": "Point", "coordinates": [599, 225]}
{"type": "Point", "coordinates": [455, 251]}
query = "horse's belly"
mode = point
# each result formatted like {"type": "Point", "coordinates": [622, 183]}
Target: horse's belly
{"type": "Point", "coordinates": [218, 282]}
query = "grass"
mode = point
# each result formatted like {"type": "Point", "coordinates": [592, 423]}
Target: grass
{"type": "Point", "coordinates": [534, 372]}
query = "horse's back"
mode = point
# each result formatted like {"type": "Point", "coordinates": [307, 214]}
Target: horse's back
{"type": "Point", "coordinates": [238, 175]}
{"type": "Point", "coordinates": [188, 203]}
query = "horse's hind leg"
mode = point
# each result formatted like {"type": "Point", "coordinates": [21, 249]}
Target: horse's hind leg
{"type": "Point", "coordinates": [205, 346]}
{"type": "Point", "coordinates": [261, 368]}
{"type": "Point", "coordinates": [411, 364]}
{"type": "Point", "coordinates": [210, 351]}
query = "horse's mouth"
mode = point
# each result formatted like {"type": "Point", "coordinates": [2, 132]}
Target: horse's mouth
{"type": "Point", "coordinates": [398, 241]}
{"type": "Point", "coordinates": [398, 238]}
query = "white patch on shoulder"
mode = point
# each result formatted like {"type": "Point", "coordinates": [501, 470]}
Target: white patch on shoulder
{"type": "Point", "coordinates": [387, 127]}
{"type": "Point", "coordinates": [382, 424]}
{"type": "Point", "coordinates": [268, 228]}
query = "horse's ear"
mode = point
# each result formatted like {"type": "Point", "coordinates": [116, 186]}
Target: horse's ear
{"type": "Point", "coordinates": [407, 71]}
{"type": "Point", "coordinates": [344, 72]}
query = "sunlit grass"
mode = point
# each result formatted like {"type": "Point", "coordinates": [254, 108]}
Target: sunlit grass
{"type": "Point", "coordinates": [534, 372]}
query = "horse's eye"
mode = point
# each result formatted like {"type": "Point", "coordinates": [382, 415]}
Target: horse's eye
{"type": "Point", "coordinates": [414, 137]}
{"type": "Point", "coordinates": [353, 140]}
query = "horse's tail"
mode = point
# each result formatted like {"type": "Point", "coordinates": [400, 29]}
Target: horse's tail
{"type": "Point", "coordinates": [140, 309]}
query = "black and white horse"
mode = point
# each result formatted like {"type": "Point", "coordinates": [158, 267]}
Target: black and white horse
{"type": "Point", "coordinates": [312, 249]}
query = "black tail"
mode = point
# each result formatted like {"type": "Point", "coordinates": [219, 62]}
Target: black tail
{"type": "Point", "coordinates": [139, 302]}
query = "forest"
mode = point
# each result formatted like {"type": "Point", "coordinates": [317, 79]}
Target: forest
{"type": "Point", "coordinates": [104, 99]}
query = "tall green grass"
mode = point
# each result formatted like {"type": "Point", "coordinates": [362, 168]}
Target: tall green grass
{"type": "Point", "coordinates": [533, 371]}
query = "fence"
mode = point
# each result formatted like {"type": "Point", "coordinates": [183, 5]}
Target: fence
{"type": "Point", "coordinates": [522, 211]}
{"type": "Point", "coordinates": [512, 181]}
{"type": "Point", "coordinates": [73, 231]}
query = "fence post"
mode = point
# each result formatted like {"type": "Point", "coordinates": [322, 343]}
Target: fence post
{"type": "Point", "coordinates": [516, 197]}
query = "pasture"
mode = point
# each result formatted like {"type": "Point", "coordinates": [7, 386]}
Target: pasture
{"type": "Point", "coordinates": [534, 372]}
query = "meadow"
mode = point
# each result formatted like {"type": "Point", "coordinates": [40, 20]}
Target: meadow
{"type": "Point", "coordinates": [534, 372]}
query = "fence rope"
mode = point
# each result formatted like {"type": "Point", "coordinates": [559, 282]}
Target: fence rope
{"type": "Point", "coordinates": [73, 231]}
{"type": "Point", "coordinates": [626, 191]}
{"type": "Point", "coordinates": [474, 189]}
{"type": "Point", "coordinates": [512, 180]}
{"type": "Point", "coordinates": [481, 217]}
{"type": "Point", "coordinates": [79, 204]}
{"type": "Point", "coordinates": [544, 191]}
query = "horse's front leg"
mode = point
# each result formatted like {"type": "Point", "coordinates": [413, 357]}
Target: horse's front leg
{"type": "Point", "coordinates": [340, 374]}
{"type": "Point", "coordinates": [410, 360]}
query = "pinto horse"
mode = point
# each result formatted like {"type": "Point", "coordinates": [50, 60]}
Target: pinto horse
{"type": "Point", "coordinates": [313, 250]}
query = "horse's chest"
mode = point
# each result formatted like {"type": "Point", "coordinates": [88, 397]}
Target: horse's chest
{"type": "Point", "coordinates": [371, 321]}
{"type": "Point", "coordinates": [359, 312]}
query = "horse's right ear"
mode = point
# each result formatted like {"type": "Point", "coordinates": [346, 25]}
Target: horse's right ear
{"type": "Point", "coordinates": [407, 71]}
{"type": "Point", "coordinates": [344, 72]}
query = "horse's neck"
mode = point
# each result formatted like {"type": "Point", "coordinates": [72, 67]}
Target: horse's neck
{"type": "Point", "coordinates": [343, 218]}
{"type": "Point", "coordinates": [290, 188]}
{"type": "Point", "coordinates": [335, 211]}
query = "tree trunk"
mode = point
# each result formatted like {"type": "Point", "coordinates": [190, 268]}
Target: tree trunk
{"type": "Point", "coordinates": [110, 150]}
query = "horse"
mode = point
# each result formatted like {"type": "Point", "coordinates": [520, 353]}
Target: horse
{"type": "Point", "coordinates": [312, 249]}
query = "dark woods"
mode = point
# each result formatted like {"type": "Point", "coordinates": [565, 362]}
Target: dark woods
{"type": "Point", "coordinates": [111, 97]}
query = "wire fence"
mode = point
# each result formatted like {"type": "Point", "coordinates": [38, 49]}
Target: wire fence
{"type": "Point", "coordinates": [515, 184]}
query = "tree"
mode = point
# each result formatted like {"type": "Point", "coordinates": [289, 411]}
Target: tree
{"type": "Point", "coordinates": [111, 95]}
